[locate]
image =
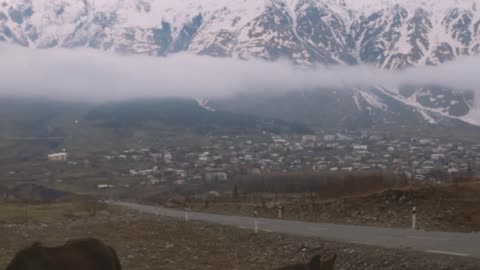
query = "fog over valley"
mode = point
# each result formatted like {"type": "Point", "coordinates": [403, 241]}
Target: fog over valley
{"type": "Point", "coordinates": [91, 75]}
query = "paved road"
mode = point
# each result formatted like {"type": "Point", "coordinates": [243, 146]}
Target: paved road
{"type": "Point", "coordinates": [459, 244]}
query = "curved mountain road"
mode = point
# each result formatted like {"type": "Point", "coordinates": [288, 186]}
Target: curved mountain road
{"type": "Point", "coordinates": [458, 244]}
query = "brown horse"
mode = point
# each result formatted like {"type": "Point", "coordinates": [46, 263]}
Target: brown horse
{"type": "Point", "coordinates": [85, 254]}
{"type": "Point", "coordinates": [317, 263]}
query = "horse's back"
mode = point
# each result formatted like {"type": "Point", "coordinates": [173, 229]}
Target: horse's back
{"type": "Point", "coordinates": [86, 254]}
{"type": "Point", "coordinates": [104, 256]}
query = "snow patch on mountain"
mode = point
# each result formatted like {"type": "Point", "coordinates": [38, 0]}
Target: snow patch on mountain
{"type": "Point", "coordinates": [373, 101]}
{"type": "Point", "coordinates": [427, 117]}
{"type": "Point", "coordinates": [203, 102]}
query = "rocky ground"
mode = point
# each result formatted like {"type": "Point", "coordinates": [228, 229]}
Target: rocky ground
{"type": "Point", "coordinates": [441, 207]}
{"type": "Point", "coordinates": [149, 242]}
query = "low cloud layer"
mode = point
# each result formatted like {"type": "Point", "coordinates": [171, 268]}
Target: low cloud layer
{"type": "Point", "coordinates": [90, 75]}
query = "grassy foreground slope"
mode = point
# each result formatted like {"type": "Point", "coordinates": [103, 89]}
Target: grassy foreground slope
{"type": "Point", "coordinates": [148, 242]}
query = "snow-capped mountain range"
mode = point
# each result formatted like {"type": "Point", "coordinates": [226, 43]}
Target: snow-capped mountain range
{"type": "Point", "coordinates": [390, 34]}
{"type": "Point", "coordinates": [387, 33]}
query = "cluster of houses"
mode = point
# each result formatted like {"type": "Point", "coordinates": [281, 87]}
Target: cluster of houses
{"type": "Point", "coordinates": [221, 158]}
{"type": "Point", "coordinates": [419, 159]}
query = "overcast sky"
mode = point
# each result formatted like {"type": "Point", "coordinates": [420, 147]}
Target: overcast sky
{"type": "Point", "coordinates": [91, 75]}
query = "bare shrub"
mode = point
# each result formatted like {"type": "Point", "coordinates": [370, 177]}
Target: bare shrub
{"type": "Point", "coordinates": [93, 207]}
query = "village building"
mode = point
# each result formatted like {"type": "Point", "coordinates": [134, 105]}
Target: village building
{"type": "Point", "coordinates": [57, 157]}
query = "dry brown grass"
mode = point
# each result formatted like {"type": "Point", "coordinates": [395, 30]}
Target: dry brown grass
{"type": "Point", "coordinates": [324, 185]}
{"type": "Point", "coordinates": [44, 213]}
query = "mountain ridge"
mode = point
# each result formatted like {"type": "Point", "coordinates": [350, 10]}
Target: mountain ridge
{"type": "Point", "coordinates": [306, 31]}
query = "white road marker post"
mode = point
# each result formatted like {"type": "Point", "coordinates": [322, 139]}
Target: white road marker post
{"type": "Point", "coordinates": [187, 210]}
{"type": "Point", "coordinates": [255, 221]}
{"type": "Point", "coordinates": [414, 218]}
{"type": "Point", "coordinates": [304, 253]}
{"type": "Point", "coordinates": [279, 208]}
